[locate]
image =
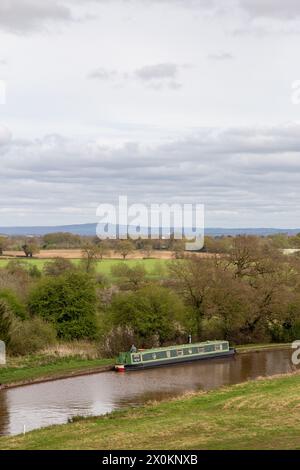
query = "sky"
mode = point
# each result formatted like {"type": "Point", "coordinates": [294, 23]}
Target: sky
{"type": "Point", "coordinates": [165, 101]}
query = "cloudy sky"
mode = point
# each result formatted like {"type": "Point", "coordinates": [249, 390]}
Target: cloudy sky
{"type": "Point", "coordinates": [161, 100]}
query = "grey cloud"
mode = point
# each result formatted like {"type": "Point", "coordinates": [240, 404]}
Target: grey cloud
{"type": "Point", "coordinates": [156, 76]}
{"type": "Point", "coordinates": [157, 71]}
{"type": "Point", "coordinates": [23, 16]}
{"type": "Point", "coordinates": [103, 74]}
{"type": "Point", "coordinates": [279, 9]}
{"type": "Point", "coordinates": [220, 56]}
{"type": "Point", "coordinates": [238, 169]}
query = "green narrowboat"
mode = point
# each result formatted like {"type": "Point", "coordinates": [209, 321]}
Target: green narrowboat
{"type": "Point", "coordinates": [144, 358]}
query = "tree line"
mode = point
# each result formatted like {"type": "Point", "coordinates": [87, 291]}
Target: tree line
{"type": "Point", "coordinates": [249, 294]}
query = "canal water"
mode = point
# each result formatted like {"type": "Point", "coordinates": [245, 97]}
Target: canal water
{"type": "Point", "coordinates": [34, 406]}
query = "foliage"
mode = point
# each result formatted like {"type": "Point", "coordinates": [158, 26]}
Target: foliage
{"type": "Point", "coordinates": [151, 312]}
{"type": "Point", "coordinates": [13, 303]}
{"type": "Point", "coordinates": [31, 335]}
{"type": "Point", "coordinates": [69, 302]}
{"type": "Point", "coordinates": [130, 276]}
{"type": "Point", "coordinates": [124, 247]}
{"type": "Point", "coordinates": [5, 323]}
{"type": "Point", "coordinates": [57, 267]}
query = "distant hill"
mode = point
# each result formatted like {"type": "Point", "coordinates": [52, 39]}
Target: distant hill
{"type": "Point", "coordinates": [90, 229]}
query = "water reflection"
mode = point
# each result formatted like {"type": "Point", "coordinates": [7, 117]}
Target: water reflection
{"type": "Point", "coordinates": [54, 402]}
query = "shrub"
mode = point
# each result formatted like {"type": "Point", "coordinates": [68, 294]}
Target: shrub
{"type": "Point", "coordinates": [13, 303]}
{"type": "Point", "coordinates": [5, 323]}
{"type": "Point", "coordinates": [69, 302]}
{"type": "Point", "coordinates": [29, 336]}
{"type": "Point", "coordinates": [152, 311]}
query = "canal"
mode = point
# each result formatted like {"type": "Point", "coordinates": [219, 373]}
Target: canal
{"type": "Point", "coordinates": [34, 406]}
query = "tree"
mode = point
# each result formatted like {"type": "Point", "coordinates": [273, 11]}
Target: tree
{"type": "Point", "coordinates": [58, 266]}
{"type": "Point", "coordinates": [124, 247]}
{"type": "Point", "coordinates": [30, 249]}
{"type": "Point", "coordinates": [91, 254]}
{"type": "Point", "coordinates": [147, 248]}
{"type": "Point", "coordinates": [131, 276]}
{"type": "Point", "coordinates": [178, 247]}
{"type": "Point", "coordinates": [3, 244]}
{"type": "Point", "coordinates": [5, 323]}
{"type": "Point", "coordinates": [61, 240]}
{"type": "Point", "coordinates": [153, 313]}
{"type": "Point", "coordinates": [193, 277]}
{"type": "Point", "coordinates": [69, 302]}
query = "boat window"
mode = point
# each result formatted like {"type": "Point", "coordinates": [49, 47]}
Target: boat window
{"type": "Point", "coordinates": [210, 348]}
{"type": "Point", "coordinates": [225, 345]}
{"type": "Point", "coordinates": [218, 347]}
{"type": "Point", "coordinates": [200, 350]}
{"type": "Point", "coordinates": [152, 356]}
{"type": "Point", "coordinates": [147, 357]}
{"type": "Point", "coordinates": [179, 352]}
{"type": "Point", "coordinates": [136, 358]}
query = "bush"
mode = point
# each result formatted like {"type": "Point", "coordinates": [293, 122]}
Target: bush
{"type": "Point", "coordinates": [152, 311]}
{"type": "Point", "coordinates": [285, 333]}
{"type": "Point", "coordinates": [29, 336]}
{"type": "Point", "coordinates": [5, 323]}
{"type": "Point", "coordinates": [58, 266]}
{"type": "Point", "coordinates": [69, 302]}
{"type": "Point", "coordinates": [13, 303]}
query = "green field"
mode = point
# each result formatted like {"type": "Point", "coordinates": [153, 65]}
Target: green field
{"type": "Point", "coordinates": [156, 268]}
{"type": "Point", "coordinates": [262, 414]}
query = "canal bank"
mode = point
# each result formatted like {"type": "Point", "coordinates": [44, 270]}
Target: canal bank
{"type": "Point", "coordinates": [31, 372]}
{"type": "Point", "coordinates": [40, 370]}
{"type": "Point", "coordinates": [253, 415]}
{"type": "Point", "coordinates": [56, 402]}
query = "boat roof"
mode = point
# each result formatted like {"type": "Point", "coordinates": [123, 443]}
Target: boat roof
{"type": "Point", "coordinates": [178, 346]}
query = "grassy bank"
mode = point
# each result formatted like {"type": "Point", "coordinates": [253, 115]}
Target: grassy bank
{"type": "Point", "coordinates": [263, 414]}
{"type": "Point", "coordinates": [33, 368]}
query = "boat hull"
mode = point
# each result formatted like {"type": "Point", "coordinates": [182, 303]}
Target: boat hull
{"type": "Point", "coordinates": [179, 360]}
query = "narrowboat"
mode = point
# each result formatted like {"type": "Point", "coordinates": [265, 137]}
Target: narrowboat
{"type": "Point", "coordinates": [144, 358]}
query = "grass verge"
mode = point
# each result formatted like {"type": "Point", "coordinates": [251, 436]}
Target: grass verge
{"type": "Point", "coordinates": [262, 414]}
{"type": "Point", "coordinates": [35, 368]}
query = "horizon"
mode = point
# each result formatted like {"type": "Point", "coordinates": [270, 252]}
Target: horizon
{"type": "Point", "coordinates": [211, 115]}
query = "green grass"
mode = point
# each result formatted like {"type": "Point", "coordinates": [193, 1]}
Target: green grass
{"type": "Point", "coordinates": [155, 268]}
{"type": "Point", "coordinates": [263, 414]}
{"type": "Point", "coordinates": [38, 367]}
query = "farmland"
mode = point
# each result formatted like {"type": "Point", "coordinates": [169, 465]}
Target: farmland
{"type": "Point", "coordinates": [154, 267]}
